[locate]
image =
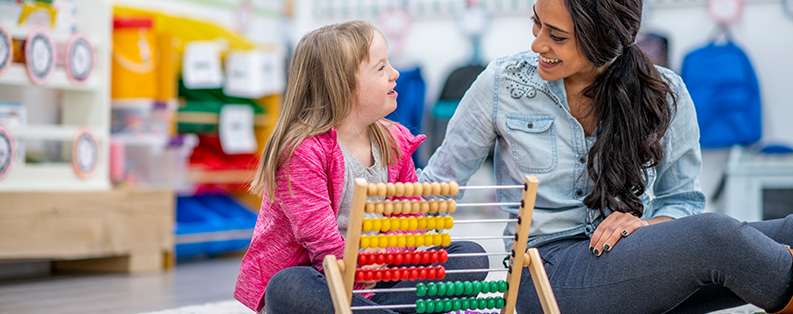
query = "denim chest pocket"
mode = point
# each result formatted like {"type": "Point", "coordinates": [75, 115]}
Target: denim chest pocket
{"type": "Point", "coordinates": [532, 140]}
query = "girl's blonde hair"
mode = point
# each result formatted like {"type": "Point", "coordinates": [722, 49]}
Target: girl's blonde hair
{"type": "Point", "coordinates": [319, 95]}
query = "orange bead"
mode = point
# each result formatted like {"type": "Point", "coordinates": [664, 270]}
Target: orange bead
{"type": "Point", "coordinates": [372, 190]}
{"type": "Point", "coordinates": [390, 189]}
{"type": "Point", "coordinates": [397, 207]}
{"type": "Point", "coordinates": [444, 188]}
{"type": "Point", "coordinates": [399, 189]}
{"type": "Point", "coordinates": [409, 189]}
{"type": "Point", "coordinates": [388, 208]}
{"type": "Point", "coordinates": [454, 188]}
{"type": "Point", "coordinates": [381, 189]}
{"type": "Point", "coordinates": [433, 206]}
{"type": "Point", "coordinates": [426, 189]}
{"type": "Point", "coordinates": [425, 207]}
{"type": "Point", "coordinates": [379, 208]}
{"type": "Point", "coordinates": [369, 208]}
{"type": "Point", "coordinates": [436, 188]}
{"type": "Point", "coordinates": [415, 207]}
{"type": "Point", "coordinates": [452, 205]}
{"type": "Point", "coordinates": [418, 189]}
{"type": "Point", "coordinates": [443, 206]}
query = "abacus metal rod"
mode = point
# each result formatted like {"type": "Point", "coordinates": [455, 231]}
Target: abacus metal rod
{"type": "Point", "coordinates": [385, 290]}
{"type": "Point", "coordinates": [378, 307]}
{"type": "Point", "coordinates": [488, 204]}
{"type": "Point", "coordinates": [487, 187]}
{"type": "Point", "coordinates": [472, 221]}
{"type": "Point", "coordinates": [475, 270]}
{"type": "Point", "coordinates": [477, 254]}
{"type": "Point", "coordinates": [483, 238]}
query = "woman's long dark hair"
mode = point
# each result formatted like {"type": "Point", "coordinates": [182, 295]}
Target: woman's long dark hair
{"type": "Point", "coordinates": [629, 99]}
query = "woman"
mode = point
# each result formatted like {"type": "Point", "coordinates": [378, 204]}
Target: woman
{"type": "Point", "coordinates": [613, 141]}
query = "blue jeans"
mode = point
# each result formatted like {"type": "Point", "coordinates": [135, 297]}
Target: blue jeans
{"type": "Point", "coordinates": [695, 264]}
{"type": "Point", "coordinates": [303, 289]}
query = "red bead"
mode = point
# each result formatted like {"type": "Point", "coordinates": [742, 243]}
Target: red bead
{"type": "Point", "coordinates": [416, 257]}
{"type": "Point", "coordinates": [380, 258]}
{"type": "Point", "coordinates": [378, 275]}
{"type": "Point", "coordinates": [414, 274]}
{"type": "Point", "coordinates": [398, 258]}
{"type": "Point", "coordinates": [359, 275]}
{"type": "Point", "coordinates": [405, 273]}
{"type": "Point", "coordinates": [369, 275]}
{"type": "Point", "coordinates": [431, 273]}
{"type": "Point", "coordinates": [441, 272]}
{"type": "Point", "coordinates": [389, 259]}
{"type": "Point", "coordinates": [443, 256]}
{"type": "Point", "coordinates": [425, 257]}
{"type": "Point", "coordinates": [434, 257]}
{"type": "Point", "coordinates": [422, 273]}
{"type": "Point", "coordinates": [387, 274]}
{"type": "Point", "coordinates": [361, 259]}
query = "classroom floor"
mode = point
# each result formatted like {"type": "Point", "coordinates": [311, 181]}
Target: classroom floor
{"type": "Point", "coordinates": [203, 286]}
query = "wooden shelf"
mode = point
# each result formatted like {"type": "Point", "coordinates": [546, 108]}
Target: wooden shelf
{"type": "Point", "coordinates": [17, 75]}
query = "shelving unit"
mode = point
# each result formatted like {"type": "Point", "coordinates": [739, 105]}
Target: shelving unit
{"type": "Point", "coordinates": [48, 211]}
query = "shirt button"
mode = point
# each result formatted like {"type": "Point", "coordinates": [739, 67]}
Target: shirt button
{"type": "Point", "coordinates": [582, 160]}
{"type": "Point", "coordinates": [587, 229]}
{"type": "Point", "coordinates": [530, 125]}
{"type": "Point", "coordinates": [579, 192]}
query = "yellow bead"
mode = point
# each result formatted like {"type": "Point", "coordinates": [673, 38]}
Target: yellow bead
{"type": "Point", "coordinates": [433, 206]}
{"type": "Point", "coordinates": [382, 241]}
{"type": "Point", "coordinates": [454, 188]}
{"type": "Point", "coordinates": [365, 242]}
{"type": "Point", "coordinates": [409, 189]}
{"type": "Point", "coordinates": [390, 189]}
{"type": "Point", "coordinates": [418, 189]}
{"type": "Point", "coordinates": [444, 188]}
{"type": "Point", "coordinates": [447, 239]}
{"type": "Point", "coordinates": [404, 224]}
{"type": "Point", "coordinates": [369, 207]}
{"type": "Point", "coordinates": [397, 207]}
{"type": "Point", "coordinates": [386, 225]}
{"type": "Point", "coordinates": [372, 190]}
{"type": "Point", "coordinates": [399, 189]}
{"type": "Point", "coordinates": [374, 241]}
{"type": "Point", "coordinates": [431, 223]}
{"type": "Point", "coordinates": [436, 188]}
{"type": "Point", "coordinates": [419, 240]}
{"type": "Point", "coordinates": [425, 207]}
{"type": "Point", "coordinates": [367, 225]}
{"type": "Point", "coordinates": [426, 189]}
{"type": "Point", "coordinates": [395, 223]}
{"type": "Point", "coordinates": [392, 240]}
{"type": "Point", "coordinates": [376, 224]}
{"type": "Point", "coordinates": [428, 238]}
{"type": "Point", "coordinates": [413, 223]}
{"type": "Point", "coordinates": [401, 240]}
{"type": "Point", "coordinates": [452, 206]}
{"type": "Point", "coordinates": [388, 208]}
{"type": "Point", "coordinates": [443, 206]}
{"type": "Point", "coordinates": [439, 223]}
{"type": "Point", "coordinates": [422, 223]}
{"type": "Point", "coordinates": [379, 208]}
{"type": "Point", "coordinates": [449, 222]}
{"type": "Point", "coordinates": [381, 189]}
{"type": "Point", "coordinates": [410, 240]}
{"type": "Point", "coordinates": [437, 239]}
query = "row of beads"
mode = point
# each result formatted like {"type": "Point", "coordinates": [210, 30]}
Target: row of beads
{"type": "Point", "coordinates": [411, 273]}
{"type": "Point", "coordinates": [399, 258]}
{"type": "Point", "coordinates": [405, 240]}
{"type": "Point", "coordinates": [455, 304]}
{"type": "Point", "coordinates": [400, 189]}
{"type": "Point", "coordinates": [408, 223]}
{"type": "Point", "coordinates": [397, 207]}
{"type": "Point", "coordinates": [460, 288]}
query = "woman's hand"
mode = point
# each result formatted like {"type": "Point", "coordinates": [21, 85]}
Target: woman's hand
{"type": "Point", "coordinates": [615, 227]}
{"type": "Point", "coordinates": [371, 284]}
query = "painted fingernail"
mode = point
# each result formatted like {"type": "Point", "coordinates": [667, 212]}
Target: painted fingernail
{"type": "Point", "coordinates": [624, 232]}
{"type": "Point", "coordinates": [592, 249]}
{"type": "Point", "coordinates": [596, 252]}
{"type": "Point", "coordinates": [606, 247]}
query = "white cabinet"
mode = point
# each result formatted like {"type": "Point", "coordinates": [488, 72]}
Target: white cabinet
{"type": "Point", "coordinates": [81, 105]}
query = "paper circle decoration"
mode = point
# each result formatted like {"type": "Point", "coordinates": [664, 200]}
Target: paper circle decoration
{"type": "Point", "coordinates": [79, 58]}
{"type": "Point", "coordinates": [6, 152]}
{"type": "Point", "coordinates": [85, 152]}
{"type": "Point", "coordinates": [39, 56]}
{"type": "Point", "coordinates": [6, 49]}
{"type": "Point", "coordinates": [725, 11]}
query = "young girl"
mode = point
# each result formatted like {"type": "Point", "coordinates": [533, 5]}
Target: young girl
{"type": "Point", "coordinates": [331, 131]}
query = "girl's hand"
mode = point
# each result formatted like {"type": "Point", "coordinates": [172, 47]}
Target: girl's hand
{"type": "Point", "coordinates": [371, 284]}
{"type": "Point", "coordinates": [612, 229]}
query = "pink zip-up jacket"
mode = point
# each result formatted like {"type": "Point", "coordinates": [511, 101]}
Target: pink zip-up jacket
{"type": "Point", "coordinates": [301, 230]}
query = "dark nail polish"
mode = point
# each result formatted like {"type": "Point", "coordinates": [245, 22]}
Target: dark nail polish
{"type": "Point", "coordinates": [606, 247]}
{"type": "Point", "coordinates": [624, 232]}
{"type": "Point", "coordinates": [592, 249]}
{"type": "Point", "coordinates": [596, 252]}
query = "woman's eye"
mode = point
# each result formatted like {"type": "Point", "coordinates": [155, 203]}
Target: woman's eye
{"type": "Point", "coordinates": [557, 38]}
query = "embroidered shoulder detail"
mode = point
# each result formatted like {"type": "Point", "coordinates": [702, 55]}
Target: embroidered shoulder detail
{"type": "Point", "coordinates": [523, 81]}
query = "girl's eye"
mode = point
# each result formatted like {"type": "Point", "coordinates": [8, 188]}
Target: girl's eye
{"type": "Point", "coordinates": [381, 68]}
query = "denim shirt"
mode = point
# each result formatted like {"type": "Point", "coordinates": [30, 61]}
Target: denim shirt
{"type": "Point", "coordinates": [527, 120]}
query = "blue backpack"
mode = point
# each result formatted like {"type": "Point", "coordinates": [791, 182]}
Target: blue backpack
{"type": "Point", "coordinates": [726, 95]}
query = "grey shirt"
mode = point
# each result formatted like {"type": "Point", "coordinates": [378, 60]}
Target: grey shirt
{"type": "Point", "coordinates": [354, 169]}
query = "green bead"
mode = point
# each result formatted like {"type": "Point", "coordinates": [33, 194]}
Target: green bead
{"type": "Point", "coordinates": [458, 288]}
{"type": "Point", "coordinates": [421, 289]}
{"type": "Point", "coordinates": [468, 288]}
{"type": "Point", "coordinates": [491, 303]}
{"type": "Point", "coordinates": [499, 302]}
{"type": "Point", "coordinates": [441, 288]}
{"type": "Point", "coordinates": [430, 306]}
{"type": "Point", "coordinates": [439, 305]}
{"type": "Point", "coordinates": [450, 288]}
{"type": "Point", "coordinates": [432, 289]}
{"type": "Point", "coordinates": [477, 287]}
{"type": "Point", "coordinates": [465, 304]}
{"type": "Point", "coordinates": [456, 304]}
{"type": "Point", "coordinates": [493, 286]}
{"type": "Point", "coordinates": [482, 303]}
{"type": "Point", "coordinates": [421, 306]}
{"type": "Point", "coordinates": [502, 286]}
{"type": "Point", "coordinates": [485, 286]}
{"type": "Point", "coordinates": [447, 305]}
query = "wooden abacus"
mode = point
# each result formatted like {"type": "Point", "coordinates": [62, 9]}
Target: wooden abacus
{"type": "Point", "coordinates": [341, 274]}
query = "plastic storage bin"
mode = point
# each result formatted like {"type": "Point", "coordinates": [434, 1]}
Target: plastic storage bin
{"type": "Point", "coordinates": [211, 225]}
